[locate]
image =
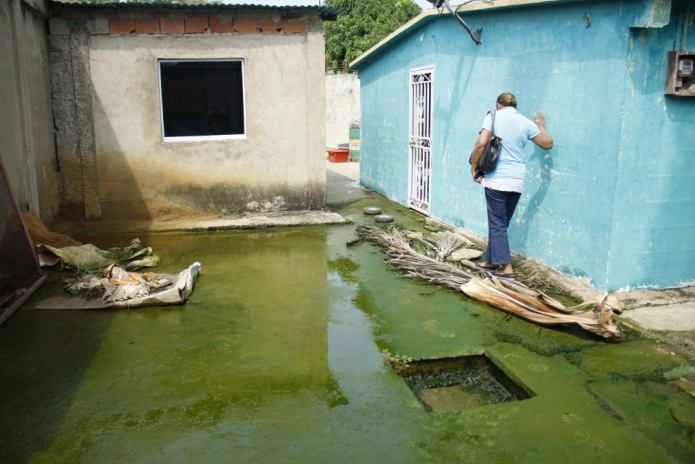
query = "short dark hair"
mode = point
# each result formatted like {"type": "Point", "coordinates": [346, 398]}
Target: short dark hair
{"type": "Point", "coordinates": [507, 99]}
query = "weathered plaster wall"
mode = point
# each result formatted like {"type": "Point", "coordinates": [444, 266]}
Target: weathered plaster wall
{"type": "Point", "coordinates": [653, 231]}
{"type": "Point", "coordinates": [280, 163]}
{"type": "Point", "coordinates": [27, 146]}
{"type": "Point", "coordinates": [72, 107]}
{"type": "Point", "coordinates": [602, 203]}
{"type": "Point", "coordinates": [342, 107]}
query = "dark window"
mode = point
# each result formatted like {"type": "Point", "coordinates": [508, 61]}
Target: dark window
{"type": "Point", "coordinates": [202, 99]}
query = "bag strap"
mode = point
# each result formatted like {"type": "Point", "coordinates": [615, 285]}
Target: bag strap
{"type": "Point", "coordinates": [492, 128]}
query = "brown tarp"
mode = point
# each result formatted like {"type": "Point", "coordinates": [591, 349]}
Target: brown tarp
{"type": "Point", "coordinates": [122, 289]}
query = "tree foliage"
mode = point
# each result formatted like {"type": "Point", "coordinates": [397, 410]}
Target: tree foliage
{"type": "Point", "coordinates": [362, 25]}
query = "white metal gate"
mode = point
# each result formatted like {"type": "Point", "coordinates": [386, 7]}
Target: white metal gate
{"type": "Point", "coordinates": [420, 139]}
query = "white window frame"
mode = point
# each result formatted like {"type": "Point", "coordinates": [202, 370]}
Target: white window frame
{"type": "Point", "coordinates": [420, 145]}
{"type": "Point", "coordinates": [203, 138]}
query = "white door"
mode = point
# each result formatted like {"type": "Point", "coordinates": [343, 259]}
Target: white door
{"type": "Point", "coordinates": [420, 139]}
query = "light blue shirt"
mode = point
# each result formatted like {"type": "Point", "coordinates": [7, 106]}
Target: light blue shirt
{"type": "Point", "coordinates": [515, 130]}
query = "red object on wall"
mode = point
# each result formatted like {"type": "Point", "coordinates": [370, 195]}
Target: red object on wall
{"type": "Point", "coordinates": [121, 25]}
{"type": "Point", "coordinates": [172, 25]}
{"type": "Point", "coordinates": [338, 155]}
{"type": "Point", "coordinates": [146, 26]}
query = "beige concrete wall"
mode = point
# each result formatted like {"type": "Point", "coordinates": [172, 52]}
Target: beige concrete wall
{"type": "Point", "coordinates": [280, 164]}
{"type": "Point", "coordinates": [342, 107]}
{"type": "Point", "coordinates": [27, 145]}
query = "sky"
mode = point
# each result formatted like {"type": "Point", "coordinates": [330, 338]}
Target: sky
{"type": "Point", "coordinates": [424, 4]}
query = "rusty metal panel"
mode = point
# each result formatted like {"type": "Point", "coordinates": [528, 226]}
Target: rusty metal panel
{"type": "Point", "coordinates": [20, 272]}
{"type": "Point", "coordinates": [679, 79]}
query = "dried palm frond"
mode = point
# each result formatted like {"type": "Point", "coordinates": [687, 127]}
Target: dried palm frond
{"type": "Point", "coordinates": [509, 296]}
{"type": "Point", "coordinates": [594, 317]}
{"type": "Point", "coordinates": [401, 256]}
{"type": "Point", "coordinates": [444, 244]}
{"type": "Point", "coordinates": [530, 275]}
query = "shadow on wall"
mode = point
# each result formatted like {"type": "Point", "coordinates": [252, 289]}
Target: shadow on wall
{"type": "Point", "coordinates": [457, 97]}
{"type": "Point", "coordinates": [99, 184]}
{"type": "Point", "coordinates": [92, 177]}
{"type": "Point", "coordinates": [654, 186]}
{"type": "Point", "coordinates": [521, 226]}
{"type": "Point", "coordinates": [117, 183]}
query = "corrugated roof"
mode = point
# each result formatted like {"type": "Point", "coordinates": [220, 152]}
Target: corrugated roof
{"type": "Point", "coordinates": [325, 12]}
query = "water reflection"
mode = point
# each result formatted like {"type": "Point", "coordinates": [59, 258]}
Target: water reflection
{"type": "Point", "coordinates": [277, 359]}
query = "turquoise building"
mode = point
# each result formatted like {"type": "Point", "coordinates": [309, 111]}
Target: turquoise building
{"type": "Point", "coordinates": [614, 200]}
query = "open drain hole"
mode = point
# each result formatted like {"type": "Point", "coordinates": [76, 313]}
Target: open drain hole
{"type": "Point", "coordinates": [451, 384]}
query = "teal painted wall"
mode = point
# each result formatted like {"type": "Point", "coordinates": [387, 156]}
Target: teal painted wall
{"type": "Point", "coordinates": [614, 200]}
{"type": "Point", "coordinates": [653, 231]}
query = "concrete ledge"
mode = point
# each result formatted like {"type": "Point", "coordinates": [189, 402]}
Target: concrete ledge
{"type": "Point", "coordinates": [265, 220]}
{"type": "Point", "coordinates": [203, 223]}
{"type": "Point", "coordinates": [674, 317]}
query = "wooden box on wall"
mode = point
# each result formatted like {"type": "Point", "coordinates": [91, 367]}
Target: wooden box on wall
{"type": "Point", "coordinates": [679, 80]}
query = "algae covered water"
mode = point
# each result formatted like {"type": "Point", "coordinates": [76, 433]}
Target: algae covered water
{"type": "Point", "coordinates": [279, 357]}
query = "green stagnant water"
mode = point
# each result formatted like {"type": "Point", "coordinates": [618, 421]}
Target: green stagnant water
{"type": "Point", "coordinates": [279, 358]}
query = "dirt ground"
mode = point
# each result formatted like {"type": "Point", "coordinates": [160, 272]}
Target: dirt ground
{"type": "Point", "coordinates": [40, 235]}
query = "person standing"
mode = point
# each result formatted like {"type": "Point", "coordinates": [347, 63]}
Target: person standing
{"type": "Point", "coordinates": [504, 185]}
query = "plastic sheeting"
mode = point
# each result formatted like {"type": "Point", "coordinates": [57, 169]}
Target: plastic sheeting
{"type": "Point", "coordinates": [89, 258]}
{"type": "Point", "coordinates": [122, 289]}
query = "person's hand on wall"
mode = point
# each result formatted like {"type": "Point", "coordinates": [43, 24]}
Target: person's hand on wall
{"type": "Point", "coordinates": [543, 140]}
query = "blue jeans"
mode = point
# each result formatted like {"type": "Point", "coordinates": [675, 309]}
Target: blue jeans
{"type": "Point", "coordinates": [500, 209]}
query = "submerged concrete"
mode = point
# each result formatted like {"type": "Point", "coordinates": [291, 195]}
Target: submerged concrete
{"type": "Point", "coordinates": [280, 356]}
{"type": "Point", "coordinates": [646, 310]}
{"type": "Point", "coordinates": [675, 317]}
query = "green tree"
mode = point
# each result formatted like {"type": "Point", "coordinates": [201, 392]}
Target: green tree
{"type": "Point", "coordinates": [361, 25]}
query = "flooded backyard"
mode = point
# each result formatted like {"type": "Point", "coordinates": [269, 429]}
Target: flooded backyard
{"type": "Point", "coordinates": [280, 357]}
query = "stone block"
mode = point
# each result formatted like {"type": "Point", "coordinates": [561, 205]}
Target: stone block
{"type": "Point", "coordinates": [58, 26]}
{"type": "Point", "coordinates": [98, 26]}
{"type": "Point", "coordinates": [220, 25]}
{"type": "Point", "coordinates": [294, 27]}
{"type": "Point", "coordinates": [196, 24]}
{"type": "Point", "coordinates": [146, 26]}
{"type": "Point", "coordinates": [172, 25]}
{"type": "Point", "coordinates": [268, 26]}
{"type": "Point", "coordinates": [121, 25]}
{"type": "Point", "coordinates": [245, 25]}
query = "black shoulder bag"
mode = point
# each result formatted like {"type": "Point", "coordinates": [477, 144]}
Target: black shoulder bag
{"type": "Point", "coordinates": [488, 162]}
